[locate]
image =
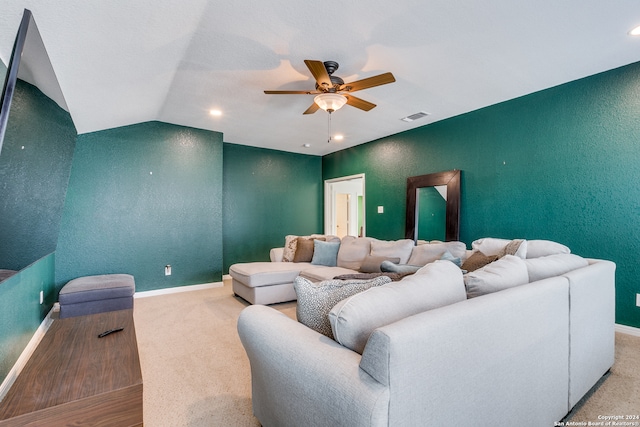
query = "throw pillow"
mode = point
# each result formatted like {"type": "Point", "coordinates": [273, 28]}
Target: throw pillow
{"type": "Point", "coordinates": [371, 263]}
{"type": "Point", "coordinates": [316, 300]}
{"type": "Point", "coordinates": [489, 245]}
{"type": "Point", "coordinates": [429, 252]}
{"type": "Point", "coordinates": [289, 250]}
{"type": "Point", "coordinates": [394, 248]}
{"type": "Point", "coordinates": [356, 317]}
{"type": "Point", "coordinates": [539, 248]}
{"type": "Point", "coordinates": [507, 272]}
{"type": "Point", "coordinates": [477, 260]}
{"type": "Point", "coordinates": [389, 267]}
{"type": "Point", "coordinates": [304, 249]}
{"type": "Point", "coordinates": [448, 257]}
{"type": "Point", "coordinates": [517, 247]}
{"type": "Point", "coordinates": [325, 253]}
{"type": "Point", "coordinates": [494, 246]}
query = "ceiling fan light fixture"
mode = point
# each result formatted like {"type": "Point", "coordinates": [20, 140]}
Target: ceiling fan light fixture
{"type": "Point", "coordinates": [330, 102]}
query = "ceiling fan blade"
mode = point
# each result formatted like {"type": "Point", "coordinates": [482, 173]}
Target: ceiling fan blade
{"type": "Point", "coordinates": [380, 79]}
{"type": "Point", "coordinates": [292, 92]}
{"type": "Point", "coordinates": [312, 109]}
{"type": "Point", "coordinates": [359, 103]}
{"type": "Point", "coordinates": [319, 73]}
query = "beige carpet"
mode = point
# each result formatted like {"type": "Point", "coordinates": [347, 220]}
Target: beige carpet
{"type": "Point", "coordinates": [196, 373]}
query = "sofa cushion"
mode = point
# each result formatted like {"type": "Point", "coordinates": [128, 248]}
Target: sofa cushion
{"type": "Point", "coordinates": [393, 248]}
{"type": "Point", "coordinates": [553, 265]}
{"type": "Point", "coordinates": [352, 251]}
{"type": "Point", "coordinates": [325, 253]}
{"type": "Point", "coordinates": [316, 300]}
{"type": "Point", "coordinates": [371, 263]}
{"type": "Point", "coordinates": [97, 288]}
{"type": "Point", "coordinates": [255, 274]}
{"type": "Point", "coordinates": [429, 252]}
{"type": "Point", "coordinates": [356, 317]}
{"type": "Point", "coordinates": [316, 273]}
{"type": "Point", "coordinates": [477, 260]}
{"type": "Point", "coordinates": [539, 248]}
{"type": "Point", "coordinates": [507, 272]}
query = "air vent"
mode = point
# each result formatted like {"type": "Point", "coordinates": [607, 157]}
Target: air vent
{"type": "Point", "coordinates": [415, 116]}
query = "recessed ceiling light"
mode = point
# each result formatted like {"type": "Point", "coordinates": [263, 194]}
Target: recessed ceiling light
{"type": "Point", "coordinates": [215, 112]}
{"type": "Point", "coordinates": [635, 31]}
{"type": "Point", "coordinates": [338, 137]}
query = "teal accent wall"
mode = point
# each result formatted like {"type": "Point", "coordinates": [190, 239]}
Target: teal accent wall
{"type": "Point", "coordinates": [20, 310]}
{"type": "Point", "coordinates": [267, 195]}
{"type": "Point", "coordinates": [35, 163]}
{"type": "Point", "coordinates": [141, 197]}
{"type": "Point", "coordinates": [561, 164]}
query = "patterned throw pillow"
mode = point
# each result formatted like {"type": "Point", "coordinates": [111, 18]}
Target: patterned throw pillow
{"type": "Point", "coordinates": [290, 245]}
{"type": "Point", "coordinates": [517, 247]}
{"type": "Point", "coordinates": [315, 301]}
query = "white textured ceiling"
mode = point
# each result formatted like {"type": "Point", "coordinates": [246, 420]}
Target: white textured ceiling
{"type": "Point", "coordinates": [121, 62]}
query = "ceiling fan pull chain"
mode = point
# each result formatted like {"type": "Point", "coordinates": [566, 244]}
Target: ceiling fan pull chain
{"type": "Point", "coordinates": [329, 139]}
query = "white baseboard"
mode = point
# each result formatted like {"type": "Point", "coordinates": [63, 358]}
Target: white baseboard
{"type": "Point", "coordinates": [177, 289]}
{"type": "Point", "coordinates": [27, 352]}
{"type": "Point", "coordinates": [629, 330]}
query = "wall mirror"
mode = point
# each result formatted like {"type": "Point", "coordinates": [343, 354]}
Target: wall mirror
{"type": "Point", "coordinates": [433, 206]}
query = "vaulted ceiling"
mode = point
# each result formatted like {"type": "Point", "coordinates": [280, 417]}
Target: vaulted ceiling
{"type": "Point", "coordinates": [121, 62]}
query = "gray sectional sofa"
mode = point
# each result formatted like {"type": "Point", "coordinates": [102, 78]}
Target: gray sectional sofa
{"type": "Point", "coordinates": [272, 282]}
{"type": "Point", "coordinates": [537, 334]}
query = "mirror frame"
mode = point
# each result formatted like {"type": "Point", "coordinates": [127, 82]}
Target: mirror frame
{"type": "Point", "coordinates": [449, 178]}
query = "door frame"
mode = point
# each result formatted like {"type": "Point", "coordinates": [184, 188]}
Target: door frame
{"type": "Point", "coordinates": [329, 208]}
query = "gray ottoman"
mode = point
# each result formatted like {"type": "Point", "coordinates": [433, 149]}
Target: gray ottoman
{"type": "Point", "coordinates": [96, 294]}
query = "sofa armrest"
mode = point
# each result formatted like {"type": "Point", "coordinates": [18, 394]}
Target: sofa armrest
{"type": "Point", "coordinates": [276, 254]}
{"type": "Point", "coordinates": [300, 377]}
{"type": "Point", "coordinates": [592, 325]}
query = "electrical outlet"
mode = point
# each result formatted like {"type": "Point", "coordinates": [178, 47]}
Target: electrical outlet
{"type": "Point", "coordinates": [167, 270]}
{"type": "Point", "coordinates": [380, 209]}
{"type": "Point", "coordinates": [41, 297]}
{"type": "Point", "coordinates": [637, 300]}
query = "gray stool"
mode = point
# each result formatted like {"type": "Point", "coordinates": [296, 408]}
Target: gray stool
{"type": "Point", "coordinates": [96, 294]}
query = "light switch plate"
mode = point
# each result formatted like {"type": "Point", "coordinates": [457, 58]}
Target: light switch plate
{"type": "Point", "coordinates": [380, 209]}
{"type": "Point", "coordinates": [637, 300]}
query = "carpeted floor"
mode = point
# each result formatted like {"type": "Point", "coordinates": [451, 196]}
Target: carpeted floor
{"type": "Point", "coordinates": [196, 373]}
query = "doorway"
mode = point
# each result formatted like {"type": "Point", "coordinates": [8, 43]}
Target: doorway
{"type": "Point", "coordinates": [344, 206]}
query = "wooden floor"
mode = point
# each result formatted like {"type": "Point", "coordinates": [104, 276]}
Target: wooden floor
{"type": "Point", "coordinates": [76, 378]}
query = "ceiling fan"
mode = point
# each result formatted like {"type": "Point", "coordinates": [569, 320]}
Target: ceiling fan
{"type": "Point", "coordinates": [331, 91]}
